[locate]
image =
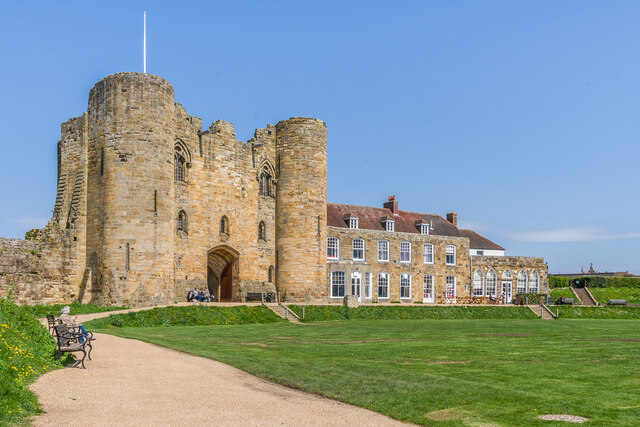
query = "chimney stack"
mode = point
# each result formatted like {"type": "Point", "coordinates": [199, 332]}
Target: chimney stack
{"type": "Point", "coordinates": [392, 204]}
{"type": "Point", "coordinates": [452, 217]}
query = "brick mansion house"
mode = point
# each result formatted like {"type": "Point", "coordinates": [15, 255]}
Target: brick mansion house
{"type": "Point", "coordinates": [150, 205]}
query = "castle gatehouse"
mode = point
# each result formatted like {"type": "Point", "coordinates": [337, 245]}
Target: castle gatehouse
{"type": "Point", "coordinates": [149, 205]}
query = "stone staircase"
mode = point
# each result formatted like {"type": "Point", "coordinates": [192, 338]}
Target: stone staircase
{"type": "Point", "coordinates": [542, 311]}
{"type": "Point", "coordinates": [585, 297]}
{"type": "Point", "coordinates": [282, 311]}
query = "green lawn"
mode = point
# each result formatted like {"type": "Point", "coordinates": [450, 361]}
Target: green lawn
{"type": "Point", "coordinates": [604, 312]}
{"type": "Point", "coordinates": [603, 295]}
{"type": "Point", "coordinates": [564, 292]}
{"type": "Point", "coordinates": [476, 372]}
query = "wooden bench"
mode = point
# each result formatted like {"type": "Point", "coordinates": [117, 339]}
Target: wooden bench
{"type": "Point", "coordinates": [71, 340]}
{"type": "Point", "coordinates": [51, 320]}
{"type": "Point", "coordinates": [618, 302]}
{"type": "Point", "coordinates": [566, 301]}
{"type": "Point", "coordinates": [260, 296]}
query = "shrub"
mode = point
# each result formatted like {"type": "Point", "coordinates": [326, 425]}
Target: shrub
{"type": "Point", "coordinates": [41, 310]}
{"type": "Point", "coordinates": [324, 312]}
{"type": "Point", "coordinates": [558, 282]}
{"type": "Point", "coordinates": [595, 281]}
{"type": "Point", "coordinates": [187, 316]}
{"type": "Point", "coordinates": [26, 351]}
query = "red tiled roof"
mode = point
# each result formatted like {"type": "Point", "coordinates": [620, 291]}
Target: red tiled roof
{"type": "Point", "coordinates": [369, 219]}
{"type": "Point", "coordinates": [477, 241]}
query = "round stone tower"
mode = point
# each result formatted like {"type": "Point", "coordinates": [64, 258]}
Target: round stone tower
{"type": "Point", "coordinates": [130, 216]}
{"type": "Point", "coordinates": [301, 208]}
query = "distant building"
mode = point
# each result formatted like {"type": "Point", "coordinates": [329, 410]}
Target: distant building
{"type": "Point", "coordinates": [593, 272]}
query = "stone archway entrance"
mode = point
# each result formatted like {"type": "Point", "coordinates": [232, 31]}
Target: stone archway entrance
{"type": "Point", "coordinates": [222, 273]}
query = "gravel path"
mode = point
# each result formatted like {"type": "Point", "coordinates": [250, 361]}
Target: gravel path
{"type": "Point", "coordinates": [130, 382]}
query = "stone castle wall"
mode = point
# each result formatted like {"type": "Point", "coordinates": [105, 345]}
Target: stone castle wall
{"type": "Point", "coordinates": [301, 210]}
{"type": "Point", "coordinates": [31, 273]}
{"type": "Point", "coordinates": [114, 236]}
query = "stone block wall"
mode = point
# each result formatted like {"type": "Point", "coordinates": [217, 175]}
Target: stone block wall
{"type": "Point", "coordinates": [416, 268]}
{"type": "Point", "coordinates": [30, 272]}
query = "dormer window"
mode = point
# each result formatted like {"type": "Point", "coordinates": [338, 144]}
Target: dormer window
{"type": "Point", "coordinates": [388, 224]}
{"type": "Point", "coordinates": [423, 227]}
{"type": "Point", "coordinates": [353, 222]}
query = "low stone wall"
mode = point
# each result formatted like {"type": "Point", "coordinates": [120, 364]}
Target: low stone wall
{"type": "Point", "coordinates": [29, 273]}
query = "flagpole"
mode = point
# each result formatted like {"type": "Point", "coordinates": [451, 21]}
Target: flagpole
{"type": "Point", "coordinates": [144, 45]}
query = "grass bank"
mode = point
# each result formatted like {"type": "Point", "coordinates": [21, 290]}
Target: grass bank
{"type": "Point", "coordinates": [603, 295]}
{"type": "Point", "coordinates": [26, 351]}
{"type": "Point", "coordinates": [41, 310]}
{"type": "Point", "coordinates": [187, 316]}
{"type": "Point", "coordinates": [315, 313]}
{"type": "Point", "coordinates": [439, 372]}
{"type": "Point", "coordinates": [604, 312]}
{"type": "Point", "coordinates": [563, 292]}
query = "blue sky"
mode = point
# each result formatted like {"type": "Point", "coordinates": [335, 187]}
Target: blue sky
{"type": "Point", "coordinates": [520, 116]}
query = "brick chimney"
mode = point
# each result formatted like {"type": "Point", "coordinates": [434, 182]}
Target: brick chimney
{"type": "Point", "coordinates": [452, 217]}
{"type": "Point", "coordinates": [392, 204]}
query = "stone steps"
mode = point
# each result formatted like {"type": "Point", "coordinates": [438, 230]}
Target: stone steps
{"type": "Point", "coordinates": [584, 296]}
{"type": "Point", "coordinates": [541, 311]}
{"type": "Point", "coordinates": [282, 312]}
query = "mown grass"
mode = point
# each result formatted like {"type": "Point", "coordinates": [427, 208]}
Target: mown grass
{"type": "Point", "coordinates": [479, 372]}
{"type": "Point", "coordinates": [604, 312]}
{"type": "Point", "coordinates": [564, 292]}
{"type": "Point", "coordinates": [603, 295]}
{"type": "Point", "coordinates": [187, 316]}
{"type": "Point", "coordinates": [315, 313]}
{"type": "Point", "coordinates": [41, 310]}
{"type": "Point", "coordinates": [26, 351]}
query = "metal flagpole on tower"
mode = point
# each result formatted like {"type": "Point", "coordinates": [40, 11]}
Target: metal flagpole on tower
{"type": "Point", "coordinates": [144, 45]}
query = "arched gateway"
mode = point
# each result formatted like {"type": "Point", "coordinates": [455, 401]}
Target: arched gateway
{"type": "Point", "coordinates": [222, 273]}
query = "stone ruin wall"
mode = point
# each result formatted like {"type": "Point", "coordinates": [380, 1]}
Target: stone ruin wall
{"type": "Point", "coordinates": [30, 273]}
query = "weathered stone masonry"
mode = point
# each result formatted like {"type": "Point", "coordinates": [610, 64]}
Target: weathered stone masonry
{"type": "Point", "coordinates": [149, 204]}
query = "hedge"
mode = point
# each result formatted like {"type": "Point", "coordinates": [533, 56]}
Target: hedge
{"type": "Point", "coordinates": [596, 281]}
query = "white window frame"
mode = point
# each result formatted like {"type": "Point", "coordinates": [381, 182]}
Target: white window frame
{"type": "Point", "coordinates": [332, 249]}
{"type": "Point", "coordinates": [507, 274]}
{"type": "Point", "coordinates": [534, 276]}
{"type": "Point", "coordinates": [522, 274]}
{"type": "Point", "coordinates": [389, 225]}
{"type": "Point", "coordinates": [353, 222]}
{"type": "Point", "coordinates": [491, 283]}
{"type": "Point", "coordinates": [478, 283]}
{"type": "Point", "coordinates": [383, 283]}
{"type": "Point", "coordinates": [479, 252]}
{"type": "Point", "coordinates": [447, 254]}
{"type": "Point", "coordinates": [382, 251]}
{"type": "Point", "coordinates": [367, 284]}
{"type": "Point", "coordinates": [426, 255]}
{"type": "Point", "coordinates": [406, 253]}
{"type": "Point", "coordinates": [354, 249]}
{"type": "Point", "coordinates": [405, 285]}
{"type": "Point", "coordinates": [338, 280]}
{"type": "Point", "coordinates": [424, 229]}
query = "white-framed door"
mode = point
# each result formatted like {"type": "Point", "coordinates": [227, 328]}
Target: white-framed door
{"type": "Point", "coordinates": [356, 285]}
{"type": "Point", "coordinates": [427, 289]}
{"type": "Point", "coordinates": [507, 287]}
{"type": "Point", "coordinates": [450, 290]}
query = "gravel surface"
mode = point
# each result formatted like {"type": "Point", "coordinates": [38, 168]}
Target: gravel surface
{"type": "Point", "coordinates": [130, 382]}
